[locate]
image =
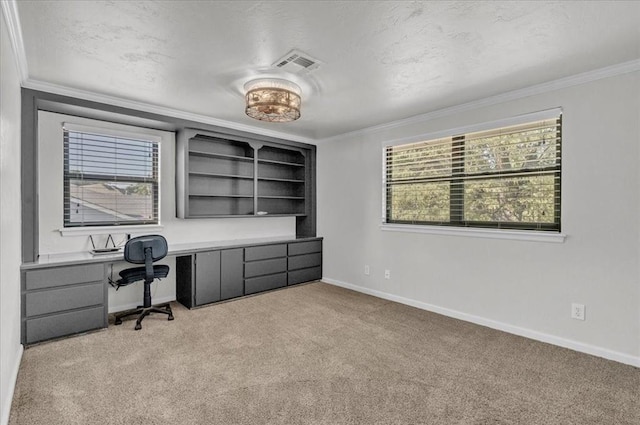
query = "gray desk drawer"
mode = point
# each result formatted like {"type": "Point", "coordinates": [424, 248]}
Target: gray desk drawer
{"type": "Point", "coordinates": [264, 252]}
{"type": "Point", "coordinates": [72, 322]}
{"type": "Point", "coordinates": [305, 261]}
{"type": "Point", "coordinates": [305, 275]}
{"type": "Point", "coordinates": [43, 302]}
{"type": "Point", "coordinates": [264, 283]}
{"type": "Point", "coordinates": [297, 248]}
{"type": "Point", "coordinates": [259, 268]}
{"type": "Point", "coordinates": [60, 276]}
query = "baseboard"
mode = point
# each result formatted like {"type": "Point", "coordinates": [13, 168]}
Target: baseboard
{"type": "Point", "coordinates": [6, 404]}
{"type": "Point", "coordinates": [505, 327]}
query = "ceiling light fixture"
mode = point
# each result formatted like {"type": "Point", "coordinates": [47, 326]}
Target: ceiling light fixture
{"type": "Point", "coordinates": [272, 99]}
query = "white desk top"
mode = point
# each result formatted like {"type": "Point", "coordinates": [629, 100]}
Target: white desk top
{"type": "Point", "coordinates": [174, 250]}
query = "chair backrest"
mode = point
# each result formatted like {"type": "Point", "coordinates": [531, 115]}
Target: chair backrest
{"type": "Point", "coordinates": [134, 250]}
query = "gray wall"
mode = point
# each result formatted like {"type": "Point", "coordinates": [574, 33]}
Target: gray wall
{"type": "Point", "coordinates": [523, 287]}
{"type": "Point", "coordinates": [10, 240]}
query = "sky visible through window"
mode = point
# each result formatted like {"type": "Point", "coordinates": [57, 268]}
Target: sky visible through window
{"type": "Point", "coordinates": [109, 156]}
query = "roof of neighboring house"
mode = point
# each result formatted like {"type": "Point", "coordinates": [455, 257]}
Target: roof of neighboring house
{"type": "Point", "coordinates": [110, 199]}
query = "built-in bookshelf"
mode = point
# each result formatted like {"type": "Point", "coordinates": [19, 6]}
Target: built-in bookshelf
{"type": "Point", "coordinates": [222, 176]}
{"type": "Point", "coordinates": [281, 181]}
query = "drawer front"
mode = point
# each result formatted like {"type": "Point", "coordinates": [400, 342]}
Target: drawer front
{"type": "Point", "coordinates": [62, 324]}
{"type": "Point", "coordinates": [304, 275]}
{"type": "Point", "coordinates": [44, 302]}
{"type": "Point", "coordinates": [264, 252]}
{"type": "Point", "coordinates": [60, 276]}
{"type": "Point", "coordinates": [264, 283]}
{"type": "Point", "coordinates": [260, 268]}
{"type": "Point", "coordinates": [305, 261]}
{"type": "Point", "coordinates": [298, 248]}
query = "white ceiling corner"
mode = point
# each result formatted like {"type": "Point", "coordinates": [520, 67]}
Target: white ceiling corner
{"type": "Point", "coordinates": [383, 64]}
{"type": "Point", "coordinates": [574, 80]}
{"type": "Point", "coordinates": [10, 12]}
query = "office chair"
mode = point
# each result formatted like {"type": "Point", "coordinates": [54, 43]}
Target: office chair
{"type": "Point", "coordinates": [144, 250]}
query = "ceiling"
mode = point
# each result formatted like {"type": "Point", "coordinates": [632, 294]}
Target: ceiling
{"type": "Point", "coordinates": [380, 61]}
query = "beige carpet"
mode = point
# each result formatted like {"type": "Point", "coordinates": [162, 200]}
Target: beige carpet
{"type": "Point", "coordinates": [317, 354]}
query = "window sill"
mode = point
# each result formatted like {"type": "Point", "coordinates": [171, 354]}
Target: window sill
{"type": "Point", "coordinates": [519, 235]}
{"type": "Point", "coordinates": [104, 230]}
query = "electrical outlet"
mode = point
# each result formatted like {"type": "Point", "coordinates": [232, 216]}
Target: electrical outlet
{"type": "Point", "coordinates": [367, 270]}
{"type": "Point", "coordinates": [387, 274]}
{"type": "Point", "coordinates": [577, 311]}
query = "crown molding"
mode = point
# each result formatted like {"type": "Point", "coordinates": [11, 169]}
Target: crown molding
{"type": "Point", "coordinates": [155, 109]}
{"type": "Point", "coordinates": [574, 80]}
{"type": "Point", "coordinates": [10, 12]}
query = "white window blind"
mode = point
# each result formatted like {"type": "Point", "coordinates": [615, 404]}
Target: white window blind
{"type": "Point", "coordinates": [109, 179]}
{"type": "Point", "coordinates": [507, 177]}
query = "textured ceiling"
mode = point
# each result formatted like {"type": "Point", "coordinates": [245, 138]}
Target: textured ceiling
{"type": "Point", "coordinates": [382, 61]}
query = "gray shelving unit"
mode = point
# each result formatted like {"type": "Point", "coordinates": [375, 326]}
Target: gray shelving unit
{"type": "Point", "coordinates": [215, 177]}
{"type": "Point", "coordinates": [281, 181]}
{"type": "Point", "coordinates": [217, 275]}
{"type": "Point", "coordinates": [231, 176]}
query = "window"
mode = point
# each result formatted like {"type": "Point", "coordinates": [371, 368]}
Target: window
{"type": "Point", "coordinates": [507, 177]}
{"type": "Point", "coordinates": [108, 179]}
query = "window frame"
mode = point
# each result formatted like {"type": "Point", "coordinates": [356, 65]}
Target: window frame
{"type": "Point", "coordinates": [457, 226]}
{"type": "Point", "coordinates": [109, 131]}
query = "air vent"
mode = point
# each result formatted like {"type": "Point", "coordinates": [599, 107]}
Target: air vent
{"type": "Point", "coordinates": [296, 61]}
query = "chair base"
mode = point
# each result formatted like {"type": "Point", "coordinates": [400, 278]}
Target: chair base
{"type": "Point", "coordinates": [144, 312]}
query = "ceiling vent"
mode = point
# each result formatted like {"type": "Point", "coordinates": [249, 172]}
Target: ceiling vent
{"type": "Point", "coordinates": [296, 62]}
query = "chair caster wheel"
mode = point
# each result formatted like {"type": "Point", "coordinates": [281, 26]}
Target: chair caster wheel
{"type": "Point", "coordinates": [118, 322]}
{"type": "Point", "coordinates": [170, 317]}
{"type": "Point", "coordinates": [138, 326]}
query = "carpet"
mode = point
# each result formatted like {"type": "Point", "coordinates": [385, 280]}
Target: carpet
{"type": "Point", "coordinates": [316, 354]}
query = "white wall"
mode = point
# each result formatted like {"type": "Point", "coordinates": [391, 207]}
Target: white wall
{"type": "Point", "coordinates": [521, 286]}
{"type": "Point", "coordinates": [50, 210]}
{"type": "Point", "coordinates": [10, 219]}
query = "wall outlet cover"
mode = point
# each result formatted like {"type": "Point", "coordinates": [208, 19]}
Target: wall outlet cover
{"type": "Point", "coordinates": [577, 311]}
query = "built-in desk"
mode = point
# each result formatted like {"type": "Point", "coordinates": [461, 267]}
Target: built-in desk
{"type": "Point", "coordinates": [65, 294]}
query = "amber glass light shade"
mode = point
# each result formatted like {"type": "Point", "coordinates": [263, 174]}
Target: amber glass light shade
{"type": "Point", "coordinates": [273, 100]}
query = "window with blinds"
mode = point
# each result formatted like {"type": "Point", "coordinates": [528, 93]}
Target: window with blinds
{"type": "Point", "coordinates": [109, 180]}
{"type": "Point", "coordinates": [507, 177]}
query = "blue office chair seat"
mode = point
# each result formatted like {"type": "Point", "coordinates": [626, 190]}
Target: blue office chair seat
{"type": "Point", "coordinates": [144, 250]}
